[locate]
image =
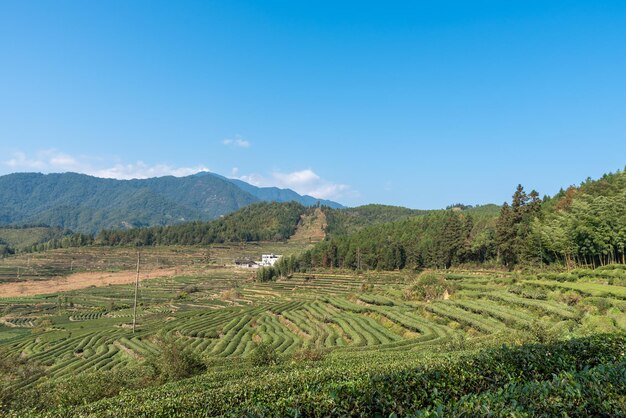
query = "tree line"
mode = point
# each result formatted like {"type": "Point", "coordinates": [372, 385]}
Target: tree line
{"type": "Point", "coordinates": [585, 225]}
{"type": "Point", "coordinates": [579, 226]}
{"type": "Point", "coordinates": [256, 222]}
{"type": "Point", "coordinates": [582, 226]}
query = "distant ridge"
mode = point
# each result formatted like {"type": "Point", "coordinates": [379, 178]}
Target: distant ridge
{"type": "Point", "coordinates": [85, 203]}
{"type": "Point", "coordinates": [275, 194]}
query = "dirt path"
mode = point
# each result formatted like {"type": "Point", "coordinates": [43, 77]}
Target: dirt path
{"type": "Point", "coordinates": [78, 281]}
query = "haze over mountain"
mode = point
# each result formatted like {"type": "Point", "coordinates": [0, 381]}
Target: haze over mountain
{"type": "Point", "coordinates": [276, 194]}
{"type": "Point", "coordinates": [87, 204]}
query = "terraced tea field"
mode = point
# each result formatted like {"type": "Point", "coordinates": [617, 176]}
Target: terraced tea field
{"type": "Point", "coordinates": [221, 313]}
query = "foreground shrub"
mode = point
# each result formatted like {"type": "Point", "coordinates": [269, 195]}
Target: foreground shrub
{"type": "Point", "coordinates": [309, 354]}
{"type": "Point", "coordinates": [596, 392]}
{"type": "Point", "coordinates": [381, 389]}
{"type": "Point", "coordinates": [174, 362]}
{"type": "Point", "coordinates": [264, 355]}
{"type": "Point", "coordinates": [14, 369]}
{"type": "Point", "coordinates": [84, 388]}
{"type": "Point", "coordinates": [430, 286]}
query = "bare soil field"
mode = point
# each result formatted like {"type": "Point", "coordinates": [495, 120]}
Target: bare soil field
{"type": "Point", "coordinates": [79, 281]}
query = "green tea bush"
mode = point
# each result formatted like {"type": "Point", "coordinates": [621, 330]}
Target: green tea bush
{"type": "Point", "coordinates": [527, 292]}
{"type": "Point", "coordinates": [309, 354]}
{"type": "Point", "coordinates": [430, 286]}
{"type": "Point", "coordinates": [83, 388]}
{"type": "Point", "coordinates": [14, 369]}
{"type": "Point", "coordinates": [376, 388]}
{"type": "Point", "coordinates": [173, 361]}
{"type": "Point", "coordinates": [570, 298]}
{"type": "Point", "coordinates": [264, 355]}
{"type": "Point", "coordinates": [601, 305]}
{"type": "Point", "coordinates": [595, 392]}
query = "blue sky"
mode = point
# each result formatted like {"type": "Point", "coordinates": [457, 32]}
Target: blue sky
{"type": "Point", "coordinates": [419, 103]}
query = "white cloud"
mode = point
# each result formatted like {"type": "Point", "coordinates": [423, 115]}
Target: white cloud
{"type": "Point", "coordinates": [51, 161]}
{"type": "Point", "coordinates": [302, 181]}
{"type": "Point", "coordinates": [41, 161]}
{"type": "Point", "coordinates": [256, 180]}
{"type": "Point", "coordinates": [141, 170]}
{"type": "Point", "coordinates": [296, 178]}
{"type": "Point", "coordinates": [237, 142]}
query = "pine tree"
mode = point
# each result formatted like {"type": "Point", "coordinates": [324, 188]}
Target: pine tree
{"type": "Point", "coordinates": [505, 236]}
{"type": "Point", "coordinates": [514, 226]}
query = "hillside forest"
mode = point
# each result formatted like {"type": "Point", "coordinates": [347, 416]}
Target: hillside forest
{"type": "Point", "coordinates": [582, 225]}
{"type": "Point", "coordinates": [579, 226]}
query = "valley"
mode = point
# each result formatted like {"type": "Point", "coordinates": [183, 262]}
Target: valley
{"type": "Point", "coordinates": [312, 209]}
{"type": "Point", "coordinates": [221, 314]}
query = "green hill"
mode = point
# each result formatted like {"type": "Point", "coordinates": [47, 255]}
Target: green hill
{"type": "Point", "coordinates": [18, 238]}
{"type": "Point", "coordinates": [342, 222]}
{"type": "Point", "coordinates": [88, 204]}
{"type": "Point", "coordinates": [581, 226]}
{"type": "Point", "coordinates": [258, 222]}
{"type": "Point", "coordinates": [438, 239]}
{"type": "Point", "coordinates": [15, 239]}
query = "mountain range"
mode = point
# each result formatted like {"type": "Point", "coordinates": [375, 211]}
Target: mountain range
{"type": "Point", "coordinates": [88, 204]}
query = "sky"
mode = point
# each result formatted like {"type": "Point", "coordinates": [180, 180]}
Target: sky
{"type": "Point", "coordinates": [418, 103]}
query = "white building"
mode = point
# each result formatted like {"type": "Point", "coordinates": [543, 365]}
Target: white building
{"type": "Point", "coordinates": [269, 259]}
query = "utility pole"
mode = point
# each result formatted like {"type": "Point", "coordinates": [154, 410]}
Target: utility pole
{"type": "Point", "coordinates": [136, 291]}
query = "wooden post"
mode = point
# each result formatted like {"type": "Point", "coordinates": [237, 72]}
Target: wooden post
{"type": "Point", "coordinates": [136, 291]}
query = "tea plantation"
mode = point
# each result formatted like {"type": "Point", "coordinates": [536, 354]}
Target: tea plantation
{"type": "Point", "coordinates": [339, 343]}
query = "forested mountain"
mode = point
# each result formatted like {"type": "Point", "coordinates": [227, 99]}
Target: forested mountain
{"type": "Point", "coordinates": [257, 222]}
{"type": "Point", "coordinates": [581, 226]}
{"type": "Point", "coordinates": [342, 222]}
{"type": "Point", "coordinates": [436, 239]}
{"type": "Point", "coordinates": [275, 194]}
{"type": "Point", "coordinates": [18, 238]}
{"type": "Point", "coordinates": [584, 225]}
{"type": "Point", "coordinates": [350, 220]}
{"type": "Point", "coordinates": [88, 204]}
{"type": "Point", "coordinates": [264, 221]}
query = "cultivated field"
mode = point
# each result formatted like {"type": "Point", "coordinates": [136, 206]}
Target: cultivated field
{"type": "Point", "coordinates": [222, 313]}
